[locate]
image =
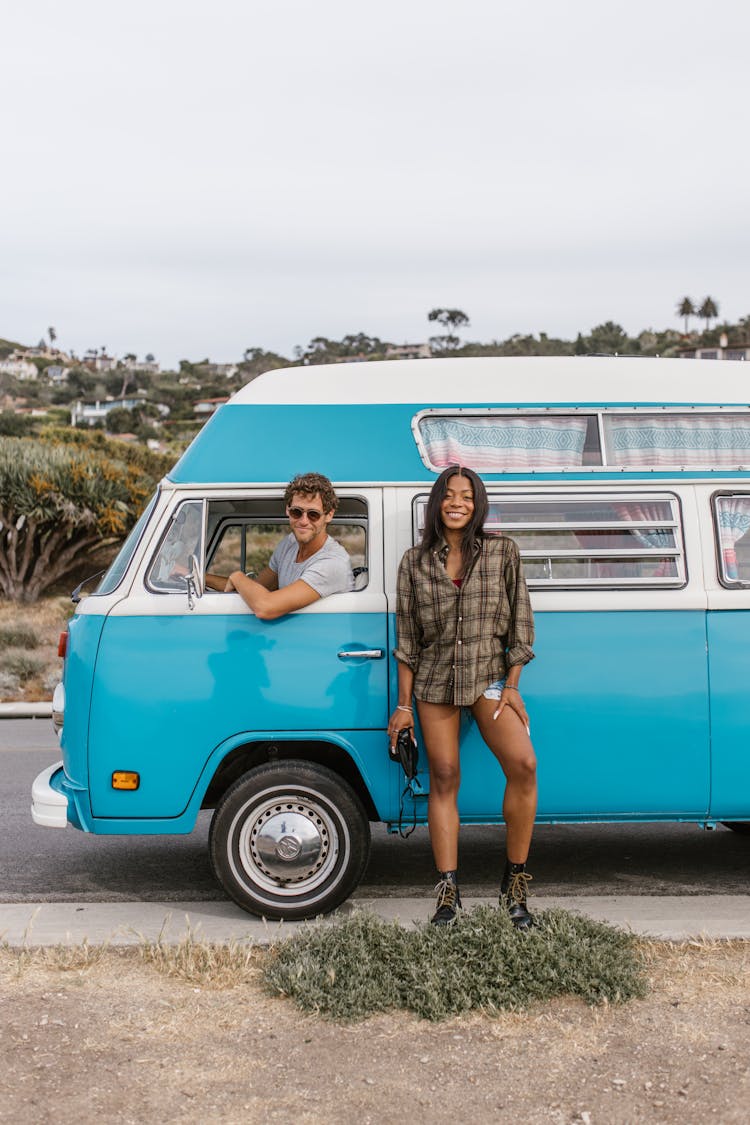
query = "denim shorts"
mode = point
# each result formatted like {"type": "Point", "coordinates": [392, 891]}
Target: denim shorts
{"type": "Point", "coordinates": [494, 691]}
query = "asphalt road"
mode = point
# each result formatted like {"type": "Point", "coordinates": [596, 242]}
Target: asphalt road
{"type": "Point", "coordinates": [45, 865]}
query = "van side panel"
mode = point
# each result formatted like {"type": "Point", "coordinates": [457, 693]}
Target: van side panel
{"type": "Point", "coordinates": [729, 662]}
{"type": "Point", "coordinates": [84, 632]}
{"type": "Point", "coordinates": [169, 689]}
{"type": "Point", "coordinates": [619, 719]}
{"type": "Point", "coordinates": [269, 443]}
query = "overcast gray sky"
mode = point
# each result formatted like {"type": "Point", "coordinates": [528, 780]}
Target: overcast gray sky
{"type": "Point", "coordinates": [193, 179]}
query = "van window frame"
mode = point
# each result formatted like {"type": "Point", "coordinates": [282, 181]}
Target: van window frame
{"type": "Point", "coordinates": [676, 522]}
{"type": "Point", "coordinates": [362, 520]}
{"type": "Point", "coordinates": [606, 465]}
{"type": "Point", "coordinates": [201, 553]}
{"type": "Point", "coordinates": [727, 583]}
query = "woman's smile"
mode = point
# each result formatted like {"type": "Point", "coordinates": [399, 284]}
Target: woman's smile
{"type": "Point", "coordinates": [457, 506]}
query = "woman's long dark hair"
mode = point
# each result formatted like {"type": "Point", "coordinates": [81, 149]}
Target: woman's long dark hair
{"type": "Point", "coordinates": [433, 521]}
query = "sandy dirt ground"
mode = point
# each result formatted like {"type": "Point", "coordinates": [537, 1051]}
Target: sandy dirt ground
{"type": "Point", "coordinates": [120, 1041]}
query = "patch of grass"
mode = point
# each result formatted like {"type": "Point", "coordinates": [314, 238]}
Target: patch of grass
{"type": "Point", "coordinates": [210, 964]}
{"type": "Point", "coordinates": [18, 636]}
{"type": "Point", "coordinates": [362, 965]}
{"type": "Point", "coordinates": [22, 664]}
{"type": "Point", "coordinates": [59, 958]}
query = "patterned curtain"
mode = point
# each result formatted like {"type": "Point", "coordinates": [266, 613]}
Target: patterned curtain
{"type": "Point", "coordinates": [719, 441]}
{"type": "Point", "coordinates": [504, 444]}
{"type": "Point", "coordinates": [733, 518]}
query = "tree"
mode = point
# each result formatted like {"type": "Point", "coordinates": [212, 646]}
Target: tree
{"type": "Point", "coordinates": [449, 320]}
{"type": "Point", "coordinates": [609, 338]}
{"type": "Point", "coordinates": [686, 308]}
{"type": "Point", "coordinates": [52, 333]}
{"type": "Point", "coordinates": [62, 497]}
{"type": "Point", "coordinates": [121, 421]}
{"type": "Point", "coordinates": [14, 425]}
{"type": "Point", "coordinates": [708, 310]}
{"type": "Point", "coordinates": [256, 360]}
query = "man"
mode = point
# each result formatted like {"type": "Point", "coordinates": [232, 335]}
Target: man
{"type": "Point", "coordinates": [306, 565]}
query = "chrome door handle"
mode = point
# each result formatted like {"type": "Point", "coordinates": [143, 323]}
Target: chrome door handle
{"type": "Point", "coordinates": [363, 654]}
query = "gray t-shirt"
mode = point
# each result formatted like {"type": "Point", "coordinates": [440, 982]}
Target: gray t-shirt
{"type": "Point", "coordinates": [328, 571]}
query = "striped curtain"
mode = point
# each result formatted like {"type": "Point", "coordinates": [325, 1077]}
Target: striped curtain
{"type": "Point", "coordinates": [719, 441]}
{"type": "Point", "coordinates": [504, 444]}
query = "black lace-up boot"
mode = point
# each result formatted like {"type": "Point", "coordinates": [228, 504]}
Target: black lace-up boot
{"type": "Point", "coordinates": [513, 892]}
{"type": "Point", "coordinates": [448, 899]}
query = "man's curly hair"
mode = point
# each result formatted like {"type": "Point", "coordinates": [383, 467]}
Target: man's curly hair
{"type": "Point", "coordinates": [310, 484]}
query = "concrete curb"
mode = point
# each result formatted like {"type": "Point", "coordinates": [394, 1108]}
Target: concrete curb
{"type": "Point", "coordinates": [660, 917]}
{"type": "Point", "coordinates": [26, 710]}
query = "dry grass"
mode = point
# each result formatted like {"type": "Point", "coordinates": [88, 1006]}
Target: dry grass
{"type": "Point", "coordinates": [209, 964]}
{"type": "Point", "coordinates": [27, 676]}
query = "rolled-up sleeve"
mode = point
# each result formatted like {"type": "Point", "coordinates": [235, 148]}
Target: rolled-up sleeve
{"type": "Point", "coordinates": [520, 637]}
{"type": "Point", "coordinates": [407, 626]}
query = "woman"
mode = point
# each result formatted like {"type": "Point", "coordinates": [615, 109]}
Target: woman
{"type": "Point", "coordinates": [465, 631]}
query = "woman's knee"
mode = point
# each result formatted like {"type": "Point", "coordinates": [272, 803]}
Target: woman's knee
{"type": "Point", "coordinates": [445, 777]}
{"type": "Point", "coordinates": [522, 770]}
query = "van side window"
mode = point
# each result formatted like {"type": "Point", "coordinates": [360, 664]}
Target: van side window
{"type": "Point", "coordinates": [182, 539]}
{"type": "Point", "coordinates": [600, 542]}
{"type": "Point", "coordinates": [550, 439]}
{"type": "Point", "coordinates": [732, 524]}
{"type": "Point", "coordinates": [243, 534]}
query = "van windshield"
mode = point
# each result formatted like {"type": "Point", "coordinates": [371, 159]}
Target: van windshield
{"type": "Point", "coordinates": [114, 575]}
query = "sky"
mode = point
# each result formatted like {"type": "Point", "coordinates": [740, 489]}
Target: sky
{"type": "Point", "coordinates": [192, 180]}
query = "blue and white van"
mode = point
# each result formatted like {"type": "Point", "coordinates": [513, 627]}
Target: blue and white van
{"type": "Point", "coordinates": [626, 483]}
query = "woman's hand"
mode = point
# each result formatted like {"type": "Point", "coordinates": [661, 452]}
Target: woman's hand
{"type": "Point", "coordinates": [511, 697]}
{"type": "Point", "coordinates": [400, 719]}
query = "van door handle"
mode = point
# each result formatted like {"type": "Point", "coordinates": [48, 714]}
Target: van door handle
{"type": "Point", "coordinates": [363, 654]}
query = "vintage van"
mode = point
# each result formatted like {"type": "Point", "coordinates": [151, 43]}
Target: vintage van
{"type": "Point", "coordinates": [626, 483]}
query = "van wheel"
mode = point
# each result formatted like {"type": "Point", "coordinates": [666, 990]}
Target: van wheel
{"type": "Point", "coordinates": [289, 840]}
{"type": "Point", "coordinates": [741, 826]}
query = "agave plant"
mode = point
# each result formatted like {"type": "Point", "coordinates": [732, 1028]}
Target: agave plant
{"type": "Point", "coordinates": [58, 502]}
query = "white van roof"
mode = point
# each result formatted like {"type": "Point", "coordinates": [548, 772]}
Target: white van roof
{"type": "Point", "coordinates": [525, 379]}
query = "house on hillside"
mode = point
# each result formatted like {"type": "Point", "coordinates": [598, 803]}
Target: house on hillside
{"type": "Point", "coordinates": [408, 351]}
{"type": "Point", "coordinates": [205, 406]}
{"type": "Point", "coordinates": [19, 367]}
{"type": "Point", "coordinates": [88, 413]}
{"type": "Point", "coordinates": [722, 350]}
{"type": "Point", "coordinates": [57, 375]}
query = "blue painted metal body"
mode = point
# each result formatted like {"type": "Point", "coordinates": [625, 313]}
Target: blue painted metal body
{"type": "Point", "coordinates": [620, 706]}
{"type": "Point", "coordinates": [636, 714]}
{"type": "Point", "coordinates": [205, 684]}
{"type": "Point", "coordinates": [269, 443]}
{"type": "Point", "coordinates": [729, 676]}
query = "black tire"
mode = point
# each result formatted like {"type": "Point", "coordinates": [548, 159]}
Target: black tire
{"type": "Point", "coordinates": [741, 826]}
{"type": "Point", "coordinates": [289, 840]}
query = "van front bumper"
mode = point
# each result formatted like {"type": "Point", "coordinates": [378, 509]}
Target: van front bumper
{"type": "Point", "coordinates": [49, 807]}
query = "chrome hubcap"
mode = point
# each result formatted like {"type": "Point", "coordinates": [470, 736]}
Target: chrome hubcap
{"type": "Point", "coordinates": [289, 843]}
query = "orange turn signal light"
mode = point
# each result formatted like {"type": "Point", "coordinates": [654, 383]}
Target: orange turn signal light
{"type": "Point", "coordinates": [62, 644]}
{"type": "Point", "coordinates": [125, 779]}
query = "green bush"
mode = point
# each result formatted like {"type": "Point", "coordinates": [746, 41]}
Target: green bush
{"type": "Point", "coordinates": [18, 636]}
{"type": "Point", "coordinates": [355, 968]}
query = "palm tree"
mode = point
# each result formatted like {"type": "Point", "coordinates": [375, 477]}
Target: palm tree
{"type": "Point", "coordinates": [686, 308]}
{"type": "Point", "coordinates": [708, 310]}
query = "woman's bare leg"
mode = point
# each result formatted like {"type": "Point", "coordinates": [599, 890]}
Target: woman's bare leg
{"type": "Point", "coordinates": [440, 726]}
{"type": "Point", "coordinates": [508, 740]}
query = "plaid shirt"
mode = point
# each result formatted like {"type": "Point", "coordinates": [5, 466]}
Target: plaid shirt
{"type": "Point", "coordinates": [458, 641]}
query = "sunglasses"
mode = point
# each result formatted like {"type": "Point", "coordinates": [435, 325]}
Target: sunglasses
{"type": "Point", "coordinates": [312, 514]}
